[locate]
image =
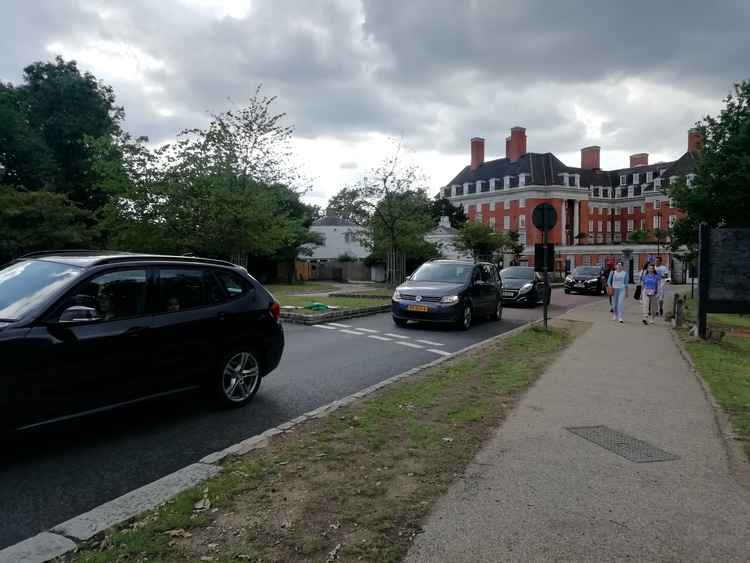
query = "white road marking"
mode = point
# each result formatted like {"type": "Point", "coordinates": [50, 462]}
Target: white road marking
{"type": "Point", "coordinates": [367, 330]}
{"type": "Point", "coordinates": [383, 338]}
{"type": "Point", "coordinates": [340, 325]}
{"type": "Point", "coordinates": [410, 345]}
{"type": "Point", "coordinates": [430, 342]}
{"type": "Point", "coordinates": [396, 335]}
{"type": "Point", "coordinates": [440, 352]}
{"type": "Point", "coordinates": [352, 332]}
{"type": "Point", "coordinates": [325, 326]}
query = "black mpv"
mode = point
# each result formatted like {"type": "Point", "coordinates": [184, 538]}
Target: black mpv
{"type": "Point", "coordinates": [449, 291]}
{"type": "Point", "coordinates": [82, 332]}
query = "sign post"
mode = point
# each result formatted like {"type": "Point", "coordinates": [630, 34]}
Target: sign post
{"type": "Point", "coordinates": [544, 218]}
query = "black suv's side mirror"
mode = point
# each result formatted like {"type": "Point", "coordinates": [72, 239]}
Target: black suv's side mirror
{"type": "Point", "coordinates": [79, 314]}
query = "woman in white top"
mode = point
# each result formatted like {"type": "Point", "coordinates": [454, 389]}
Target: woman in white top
{"type": "Point", "coordinates": [618, 281]}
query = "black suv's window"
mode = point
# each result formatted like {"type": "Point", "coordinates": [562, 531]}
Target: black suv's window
{"type": "Point", "coordinates": [25, 285]}
{"type": "Point", "coordinates": [587, 271]}
{"type": "Point", "coordinates": [233, 284]}
{"type": "Point", "coordinates": [182, 288]}
{"type": "Point", "coordinates": [114, 295]}
{"type": "Point", "coordinates": [488, 274]}
{"type": "Point", "coordinates": [517, 273]}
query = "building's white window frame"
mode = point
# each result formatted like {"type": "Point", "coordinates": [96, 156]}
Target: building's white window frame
{"type": "Point", "coordinates": [623, 179]}
{"type": "Point", "coordinates": [657, 182]}
{"type": "Point", "coordinates": [492, 184]}
{"type": "Point", "coordinates": [690, 180]}
{"type": "Point", "coordinates": [506, 182]}
{"type": "Point", "coordinates": [672, 221]}
{"type": "Point", "coordinates": [636, 178]}
{"type": "Point", "coordinates": [591, 225]}
{"type": "Point", "coordinates": [650, 176]}
{"type": "Point", "coordinates": [507, 204]}
{"type": "Point", "coordinates": [673, 180]}
{"type": "Point", "coordinates": [601, 227]}
{"type": "Point", "coordinates": [522, 237]}
{"type": "Point", "coordinates": [657, 204]}
{"type": "Point", "coordinates": [657, 221]}
{"type": "Point", "coordinates": [506, 222]}
{"type": "Point", "coordinates": [578, 180]}
{"type": "Point", "coordinates": [609, 226]}
{"type": "Point", "coordinates": [631, 225]}
{"type": "Point", "coordinates": [492, 222]}
{"type": "Point", "coordinates": [521, 221]}
{"type": "Point", "coordinates": [522, 202]}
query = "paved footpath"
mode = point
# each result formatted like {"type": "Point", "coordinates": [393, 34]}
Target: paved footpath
{"type": "Point", "coordinates": [538, 492]}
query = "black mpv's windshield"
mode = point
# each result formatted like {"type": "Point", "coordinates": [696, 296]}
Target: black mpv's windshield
{"type": "Point", "coordinates": [517, 273]}
{"type": "Point", "coordinates": [25, 285]}
{"type": "Point", "coordinates": [443, 272]}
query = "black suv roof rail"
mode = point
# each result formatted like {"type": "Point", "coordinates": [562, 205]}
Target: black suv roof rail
{"type": "Point", "coordinates": [159, 258]}
{"type": "Point", "coordinates": [57, 252]}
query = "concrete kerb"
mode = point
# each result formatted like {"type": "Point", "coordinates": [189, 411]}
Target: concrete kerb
{"type": "Point", "coordinates": [737, 461]}
{"type": "Point", "coordinates": [63, 537]}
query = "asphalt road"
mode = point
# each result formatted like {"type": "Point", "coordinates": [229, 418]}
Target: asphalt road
{"type": "Point", "coordinates": [52, 474]}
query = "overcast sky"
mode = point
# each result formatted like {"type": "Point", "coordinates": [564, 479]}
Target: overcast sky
{"type": "Point", "coordinates": [631, 76]}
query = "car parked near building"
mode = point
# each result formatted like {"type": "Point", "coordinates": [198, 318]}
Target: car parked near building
{"type": "Point", "coordinates": [522, 285]}
{"type": "Point", "coordinates": [586, 279]}
{"type": "Point", "coordinates": [82, 332]}
{"type": "Point", "coordinates": [449, 291]}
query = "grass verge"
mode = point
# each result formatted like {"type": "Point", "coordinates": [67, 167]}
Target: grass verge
{"type": "Point", "coordinates": [353, 486]}
{"type": "Point", "coordinates": [725, 366]}
{"type": "Point", "coordinates": [341, 302]}
{"type": "Point", "coordinates": [279, 290]}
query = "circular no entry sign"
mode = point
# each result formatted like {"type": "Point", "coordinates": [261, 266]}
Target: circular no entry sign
{"type": "Point", "coordinates": [544, 217]}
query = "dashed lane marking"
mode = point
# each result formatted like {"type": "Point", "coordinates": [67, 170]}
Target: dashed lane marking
{"type": "Point", "coordinates": [431, 343]}
{"type": "Point", "coordinates": [439, 352]}
{"type": "Point", "coordinates": [339, 325]}
{"type": "Point", "coordinates": [352, 332]}
{"type": "Point", "coordinates": [325, 326]}
{"type": "Point", "coordinates": [396, 335]}
{"type": "Point", "coordinates": [383, 338]}
{"type": "Point", "coordinates": [367, 330]}
{"type": "Point", "coordinates": [410, 345]}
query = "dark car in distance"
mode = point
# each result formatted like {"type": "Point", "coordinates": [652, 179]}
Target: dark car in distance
{"type": "Point", "coordinates": [586, 279]}
{"type": "Point", "coordinates": [449, 291]}
{"type": "Point", "coordinates": [522, 285]}
{"type": "Point", "coordinates": [82, 332]}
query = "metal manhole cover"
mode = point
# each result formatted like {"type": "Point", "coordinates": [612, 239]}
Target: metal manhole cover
{"type": "Point", "coordinates": [623, 445]}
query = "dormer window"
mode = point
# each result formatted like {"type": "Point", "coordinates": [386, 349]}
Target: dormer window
{"type": "Point", "coordinates": [459, 190]}
{"type": "Point", "coordinates": [578, 180]}
{"type": "Point", "coordinates": [564, 178]}
{"type": "Point", "coordinates": [657, 182]}
{"type": "Point", "coordinates": [493, 184]}
{"type": "Point", "coordinates": [506, 181]}
{"type": "Point", "coordinates": [623, 179]}
{"type": "Point", "coordinates": [636, 177]}
{"type": "Point", "coordinates": [672, 180]}
{"type": "Point", "coordinates": [522, 180]}
{"type": "Point", "coordinates": [690, 180]}
{"type": "Point", "coordinates": [447, 191]}
{"type": "Point", "coordinates": [649, 176]}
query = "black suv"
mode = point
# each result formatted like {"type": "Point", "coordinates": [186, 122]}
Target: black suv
{"type": "Point", "coordinates": [449, 291]}
{"type": "Point", "coordinates": [522, 285]}
{"type": "Point", "coordinates": [82, 332]}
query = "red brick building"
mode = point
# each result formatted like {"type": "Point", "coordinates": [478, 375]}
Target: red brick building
{"type": "Point", "coordinates": [598, 210]}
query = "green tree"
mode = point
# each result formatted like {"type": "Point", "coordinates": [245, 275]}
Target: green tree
{"type": "Point", "coordinates": [638, 237]}
{"type": "Point", "coordinates": [45, 125]}
{"type": "Point", "coordinates": [481, 240]}
{"type": "Point", "coordinates": [32, 221]}
{"type": "Point", "coordinates": [718, 195]}
{"type": "Point", "coordinates": [349, 205]}
{"type": "Point", "coordinates": [216, 191]}
{"type": "Point", "coordinates": [515, 247]}
{"type": "Point", "coordinates": [441, 206]}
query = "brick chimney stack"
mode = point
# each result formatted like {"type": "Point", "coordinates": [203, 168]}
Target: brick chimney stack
{"type": "Point", "coordinates": [507, 147]}
{"type": "Point", "coordinates": [517, 143]}
{"type": "Point", "coordinates": [590, 157]}
{"type": "Point", "coordinates": [477, 152]}
{"type": "Point", "coordinates": [694, 140]}
{"type": "Point", "coordinates": [640, 159]}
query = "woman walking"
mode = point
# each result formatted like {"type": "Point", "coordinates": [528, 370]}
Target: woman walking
{"type": "Point", "coordinates": [618, 281]}
{"type": "Point", "coordinates": [650, 282]}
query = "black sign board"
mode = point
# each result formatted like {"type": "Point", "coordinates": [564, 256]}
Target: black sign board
{"type": "Point", "coordinates": [724, 285]}
{"type": "Point", "coordinates": [544, 217]}
{"type": "Point", "coordinates": [544, 257]}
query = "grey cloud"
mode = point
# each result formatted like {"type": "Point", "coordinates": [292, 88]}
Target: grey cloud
{"type": "Point", "coordinates": [348, 165]}
{"type": "Point", "coordinates": [436, 73]}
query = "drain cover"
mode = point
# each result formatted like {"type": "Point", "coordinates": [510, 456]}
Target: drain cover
{"type": "Point", "coordinates": [623, 445]}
